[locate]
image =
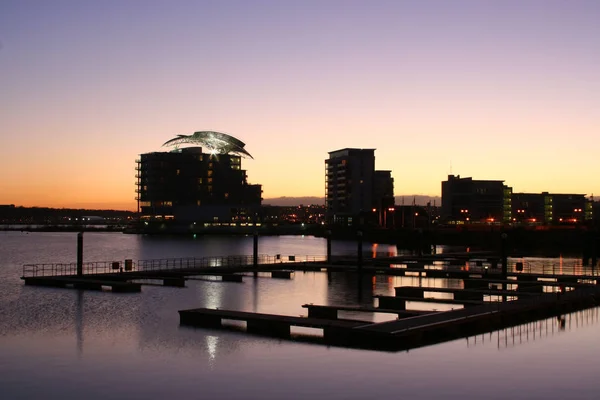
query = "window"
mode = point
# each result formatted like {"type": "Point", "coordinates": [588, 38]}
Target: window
{"type": "Point", "coordinates": [209, 180]}
{"type": "Point", "coordinates": [226, 195]}
{"type": "Point", "coordinates": [210, 173]}
{"type": "Point", "coordinates": [210, 165]}
{"type": "Point", "coordinates": [200, 181]}
{"type": "Point", "coordinates": [198, 203]}
{"type": "Point", "coordinates": [178, 172]}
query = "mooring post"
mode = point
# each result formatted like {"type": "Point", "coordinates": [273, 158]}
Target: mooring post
{"type": "Point", "coordinates": [80, 254]}
{"type": "Point", "coordinates": [504, 256]}
{"type": "Point", "coordinates": [328, 247]}
{"type": "Point", "coordinates": [255, 254]}
{"type": "Point", "coordinates": [359, 250]}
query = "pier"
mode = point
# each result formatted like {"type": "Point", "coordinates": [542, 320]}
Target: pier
{"type": "Point", "coordinates": [472, 268]}
{"type": "Point", "coordinates": [84, 283]}
{"type": "Point", "coordinates": [404, 333]}
{"type": "Point", "coordinates": [266, 324]}
{"type": "Point", "coordinates": [486, 297]}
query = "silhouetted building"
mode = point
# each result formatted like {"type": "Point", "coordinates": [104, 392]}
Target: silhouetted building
{"type": "Point", "coordinates": [551, 208]}
{"type": "Point", "coordinates": [356, 194]}
{"type": "Point", "coordinates": [383, 195]}
{"type": "Point", "coordinates": [465, 200]}
{"type": "Point", "coordinates": [189, 185]}
{"type": "Point", "coordinates": [530, 208]}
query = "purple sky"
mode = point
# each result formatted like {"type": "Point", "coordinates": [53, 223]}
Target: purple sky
{"type": "Point", "coordinates": [491, 89]}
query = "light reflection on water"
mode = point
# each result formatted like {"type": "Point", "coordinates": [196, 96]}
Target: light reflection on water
{"type": "Point", "coordinates": [65, 343]}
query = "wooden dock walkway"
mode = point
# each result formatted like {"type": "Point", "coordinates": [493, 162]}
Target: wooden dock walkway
{"type": "Point", "coordinates": [331, 312]}
{"type": "Point", "coordinates": [267, 324]}
{"type": "Point", "coordinates": [407, 332]}
{"type": "Point", "coordinates": [399, 302]}
{"type": "Point", "coordinates": [463, 294]}
{"type": "Point", "coordinates": [84, 283]}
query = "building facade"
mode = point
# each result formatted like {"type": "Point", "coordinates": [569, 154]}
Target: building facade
{"type": "Point", "coordinates": [356, 194]}
{"type": "Point", "coordinates": [551, 208]}
{"type": "Point", "coordinates": [465, 200]}
{"type": "Point", "coordinates": [188, 185]}
{"type": "Point", "coordinates": [383, 196]}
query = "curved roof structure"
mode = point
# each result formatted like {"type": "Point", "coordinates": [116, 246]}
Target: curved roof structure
{"type": "Point", "coordinates": [217, 142]}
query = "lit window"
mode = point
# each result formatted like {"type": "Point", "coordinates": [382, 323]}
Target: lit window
{"type": "Point", "coordinates": [198, 203]}
{"type": "Point", "coordinates": [200, 181]}
{"type": "Point", "coordinates": [209, 180]}
{"type": "Point", "coordinates": [210, 165]}
{"type": "Point", "coordinates": [178, 172]}
{"type": "Point", "coordinates": [209, 173]}
{"type": "Point", "coordinates": [226, 195]}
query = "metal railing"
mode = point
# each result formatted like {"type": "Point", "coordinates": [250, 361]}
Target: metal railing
{"type": "Point", "coordinates": [543, 267]}
{"type": "Point", "coordinates": [66, 269]}
{"type": "Point", "coordinates": [165, 264]}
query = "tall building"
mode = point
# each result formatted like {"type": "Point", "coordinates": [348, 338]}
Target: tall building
{"type": "Point", "coordinates": [467, 200]}
{"type": "Point", "coordinates": [383, 197]}
{"type": "Point", "coordinates": [354, 192]}
{"type": "Point", "coordinates": [189, 185]}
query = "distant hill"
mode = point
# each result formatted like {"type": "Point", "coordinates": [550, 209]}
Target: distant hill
{"type": "Point", "coordinates": [308, 200]}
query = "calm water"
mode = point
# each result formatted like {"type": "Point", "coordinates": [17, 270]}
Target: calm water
{"type": "Point", "coordinates": [57, 343]}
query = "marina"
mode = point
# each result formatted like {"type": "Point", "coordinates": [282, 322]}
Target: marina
{"type": "Point", "coordinates": [84, 333]}
{"type": "Point", "coordinates": [483, 305]}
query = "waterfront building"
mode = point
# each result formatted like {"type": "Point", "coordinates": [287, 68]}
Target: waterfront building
{"type": "Point", "coordinates": [189, 185]}
{"type": "Point", "coordinates": [356, 194]}
{"type": "Point", "coordinates": [465, 200]}
{"type": "Point", "coordinates": [383, 195]}
{"type": "Point", "coordinates": [551, 208]}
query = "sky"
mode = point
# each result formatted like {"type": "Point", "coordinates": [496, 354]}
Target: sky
{"type": "Point", "coordinates": [502, 90]}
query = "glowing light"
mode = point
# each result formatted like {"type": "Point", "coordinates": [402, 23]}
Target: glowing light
{"type": "Point", "coordinates": [216, 142]}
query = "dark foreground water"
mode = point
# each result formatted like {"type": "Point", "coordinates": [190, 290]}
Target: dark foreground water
{"type": "Point", "coordinates": [57, 343]}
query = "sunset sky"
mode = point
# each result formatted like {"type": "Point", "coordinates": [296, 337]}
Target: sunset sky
{"type": "Point", "coordinates": [504, 89]}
